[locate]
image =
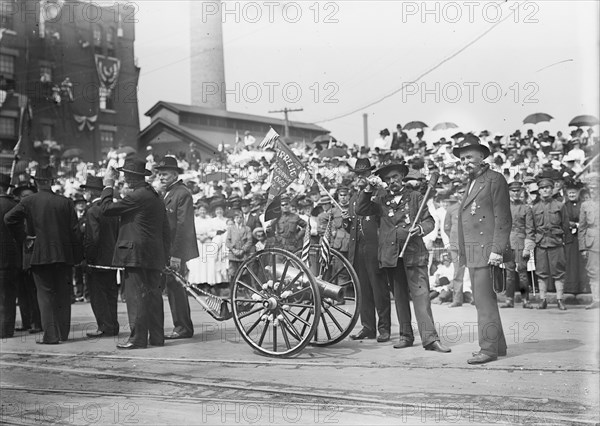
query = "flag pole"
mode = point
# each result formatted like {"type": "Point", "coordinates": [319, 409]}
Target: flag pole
{"type": "Point", "coordinates": [17, 147]}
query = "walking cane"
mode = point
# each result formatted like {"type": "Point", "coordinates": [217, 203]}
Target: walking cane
{"type": "Point", "coordinates": [531, 270]}
{"type": "Point", "coordinates": [430, 186]}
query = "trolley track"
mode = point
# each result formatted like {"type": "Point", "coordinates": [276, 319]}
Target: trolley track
{"type": "Point", "coordinates": [168, 382]}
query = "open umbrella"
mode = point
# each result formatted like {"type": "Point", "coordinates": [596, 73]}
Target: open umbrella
{"type": "Point", "coordinates": [126, 150]}
{"type": "Point", "coordinates": [72, 152]}
{"type": "Point", "coordinates": [333, 152]}
{"type": "Point", "coordinates": [414, 125]}
{"type": "Point", "coordinates": [324, 138]}
{"type": "Point", "coordinates": [445, 125]}
{"type": "Point", "coordinates": [536, 118]}
{"type": "Point", "coordinates": [214, 176]}
{"type": "Point", "coordinates": [584, 120]}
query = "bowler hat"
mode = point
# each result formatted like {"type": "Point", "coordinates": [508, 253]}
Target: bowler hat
{"type": "Point", "coordinates": [135, 166]}
{"type": "Point", "coordinates": [169, 163]}
{"type": "Point", "coordinates": [45, 173]}
{"type": "Point", "coordinates": [382, 171]}
{"type": "Point", "coordinates": [471, 141]}
{"type": "Point", "coordinates": [92, 182]}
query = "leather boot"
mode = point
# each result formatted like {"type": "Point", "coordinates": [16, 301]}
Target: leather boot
{"type": "Point", "coordinates": [561, 305]}
{"type": "Point", "coordinates": [543, 304]}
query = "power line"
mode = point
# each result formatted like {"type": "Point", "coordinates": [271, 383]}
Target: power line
{"type": "Point", "coordinates": [420, 76]}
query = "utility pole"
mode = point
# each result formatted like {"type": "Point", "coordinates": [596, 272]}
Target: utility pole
{"type": "Point", "coordinates": [287, 122]}
{"type": "Point", "coordinates": [365, 130]}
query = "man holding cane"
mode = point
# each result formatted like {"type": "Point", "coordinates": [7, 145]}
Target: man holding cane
{"type": "Point", "coordinates": [397, 209]}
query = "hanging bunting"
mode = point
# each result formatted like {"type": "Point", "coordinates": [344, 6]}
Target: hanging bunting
{"type": "Point", "coordinates": [84, 122]}
{"type": "Point", "coordinates": [108, 72]}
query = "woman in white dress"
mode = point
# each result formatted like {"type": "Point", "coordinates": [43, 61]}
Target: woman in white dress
{"type": "Point", "coordinates": [219, 225]}
{"type": "Point", "coordinates": [203, 269]}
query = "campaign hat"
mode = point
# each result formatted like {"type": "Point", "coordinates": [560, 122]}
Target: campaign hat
{"type": "Point", "coordinates": [362, 165]}
{"type": "Point", "coordinates": [169, 163]}
{"type": "Point", "coordinates": [470, 141]}
{"type": "Point", "coordinates": [135, 166]}
{"type": "Point", "coordinates": [384, 170]}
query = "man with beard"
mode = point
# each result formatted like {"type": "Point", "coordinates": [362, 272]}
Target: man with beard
{"type": "Point", "coordinates": [362, 253]}
{"type": "Point", "coordinates": [180, 212]}
{"type": "Point", "coordinates": [517, 269]}
{"type": "Point", "coordinates": [396, 209]}
{"type": "Point", "coordinates": [483, 239]}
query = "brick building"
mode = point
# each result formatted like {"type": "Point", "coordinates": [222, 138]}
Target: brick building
{"type": "Point", "coordinates": [68, 74]}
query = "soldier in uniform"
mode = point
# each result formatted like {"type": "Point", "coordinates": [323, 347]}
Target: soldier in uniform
{"type": "Point", "coordinates": [396, 208]}
{"type": "Point", "coordinates": [451, 229]}
{"type": "Point", "coordinates": [589, 242]}
{"type": "Point", "coordinates": [362, 253]}
{"type": "Point", "coordinates": [517, 268]}
{"type": "Point", "coordinates": [547, 230]}
{"type": "Point", "coordinates": [180, 212]}
{"type": "Point", "coordinates": [286, 231]}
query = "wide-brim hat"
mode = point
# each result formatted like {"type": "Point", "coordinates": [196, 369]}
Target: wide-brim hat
{"type": "Point", "coordinates": [135, 166]}
{"type": "Point", "coordinates": [169, 163]}
{"type": "Point", "coordinates": [93, 182]}
{"type": "Point", "coordinates": [471, 141]}
{"type": "Point", "coordinates": [25, 186]}
{"type": "Point", "coordinates": [256, 230]}
{"type": "Point", "coordinates": [45, 173]}
{"type": "Point", "coordinates": [216, 203]}
{"type": "Point", "coordinates": [362, 165]}
{"type": "Point", "coordinates": [384, 170]}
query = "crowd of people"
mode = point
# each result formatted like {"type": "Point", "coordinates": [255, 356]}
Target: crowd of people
{"type": "Point", "coordinates": [70, 226]}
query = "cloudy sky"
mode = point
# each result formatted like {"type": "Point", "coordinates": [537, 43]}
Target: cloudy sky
{"type": "Point", "coordinates": [481, 65]}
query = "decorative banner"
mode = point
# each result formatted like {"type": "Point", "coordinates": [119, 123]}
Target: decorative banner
{"type": "Point", "coordinates": [84, 122]}
{"type": "Point", "coordinates": [108, 72]}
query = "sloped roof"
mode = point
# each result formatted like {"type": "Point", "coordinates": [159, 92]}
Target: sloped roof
{"type": "Point", "coordinates": [177, 108]}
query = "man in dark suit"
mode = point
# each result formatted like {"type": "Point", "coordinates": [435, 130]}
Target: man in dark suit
{"type": "Point", "coordinates": [397, 209]}
{"type": "Point", "coordinates": [180, 212]}
{"type": "Point", "coordinates": [249, 218]}
{"type": "Point", "coordinates": [483, 239]}
{"type": "Point", "coordinates": [362, 253]}
{"type": "Point", "coordinates": [10, 260]}
{"type": "Point", "coordinates": [52, 220]}
{"type": "Point", "coordinates": [99, 239]}
{"type": "Point", "coordinates": [142, 248]}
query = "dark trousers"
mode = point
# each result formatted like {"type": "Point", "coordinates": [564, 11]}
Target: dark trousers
{"type": "Point", "coordinates": [8, 301]}
{"type": "Point", "coordinates": [28, 304]}
{"type": "Point", "coordinates": [53, 284]}
{"type": "Point", "coordinates": [180, 306]}
{"type": "Point", "coordinates": [489, 325]}
{"type": "Point", "coordinates": [458, 279]}
{"type": "Point", "coordinates": [413, 282]}
{"type": "Point", "coordinates": [102, 285]}
{"type": "Point", "coordinates": [374, 289]}
{"type": "Point", "coordinates": [143, 291]}
{"type": "Point", "coordinates": [516, 276]}
{"type": "Point", "coordinates": [81, 288]}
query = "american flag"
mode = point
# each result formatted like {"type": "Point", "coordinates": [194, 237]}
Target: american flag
{"type": "Point", "coordinates": [325, 248]}
{"type": "Point", "coordinates": [270, 138]}
{"type": "Point", "coordinates": [306, 245]}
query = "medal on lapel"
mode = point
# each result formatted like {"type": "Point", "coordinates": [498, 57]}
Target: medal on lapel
{"type": "Point", "coordinates": [367, 218]}
{"type": "Point", "coordinates": [473, 208]}
{"type": "Point", "coordinates": [391, 213]}
{"type": "Point", "coordinates": [407, 219]}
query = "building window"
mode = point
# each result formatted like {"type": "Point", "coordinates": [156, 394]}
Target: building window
{"type": "Point", "coordinates": [7, 66]}
{"type": "Point", "coordinates": [45, 73]}
{"type": "Point", "coordinates": [110, 42]}
{"type": "Point", "coordinates": [107, 139]}
{"type": "Point", "coordinates": [47, 132]}
{"type": "Point", "coordinates": [6, 20]}
{"type": "Point", "coordinates": [8, 127]}
{"type": "Point", "coordinates": [97, 36]}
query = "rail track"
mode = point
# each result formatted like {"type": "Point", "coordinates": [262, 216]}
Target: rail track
{"type": "Point", "coordinates": [189, 383]}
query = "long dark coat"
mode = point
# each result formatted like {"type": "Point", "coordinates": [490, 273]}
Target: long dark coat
{"type": "Point", "coordinates": [100, 236]}
{"type": "Point", "coordinates": [180, 212]}
{"type": "Point", "coordinates": [144, 238]}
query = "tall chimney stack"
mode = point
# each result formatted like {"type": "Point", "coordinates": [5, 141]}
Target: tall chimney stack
{"type": "Point", "coordinates": [207, 63]}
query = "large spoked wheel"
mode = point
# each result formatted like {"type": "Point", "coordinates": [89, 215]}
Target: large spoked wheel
{"type": "Point", "coordinates": [276, 303]}
{"type": "Point", "coordinates": [338, 317]}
